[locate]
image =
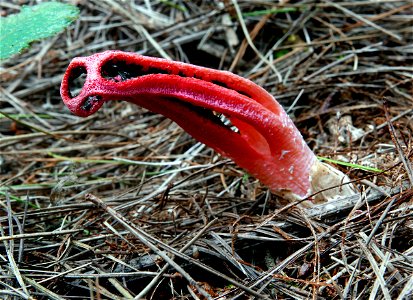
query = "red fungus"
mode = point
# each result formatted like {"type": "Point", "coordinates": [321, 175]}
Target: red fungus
{"type": "Point", "coordinates": [234, 116]}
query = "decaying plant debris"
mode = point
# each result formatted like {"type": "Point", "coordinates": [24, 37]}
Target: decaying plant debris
{"type": "Point", "coordinates": [124, 204]}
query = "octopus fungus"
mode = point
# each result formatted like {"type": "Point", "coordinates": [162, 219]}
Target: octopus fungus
{"type": "Point", "coordinates": [232, 115]}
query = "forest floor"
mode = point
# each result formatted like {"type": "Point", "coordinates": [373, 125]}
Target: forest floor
{"type": "Point", "coordinates": [343, 71]}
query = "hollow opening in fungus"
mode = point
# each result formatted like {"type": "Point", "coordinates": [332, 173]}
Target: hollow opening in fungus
{"type": "Point", "coordinates": [90, 102]}
{"type": "Point", "coordinates": [235, 126]}
{"type": "Point", "coordinates": [120, 70]}
{"type": "Point", "coordinates": [215, 117]}
{"type": "Point", "coordinates": [77, 80]}
{"type": "Point", "coordinates": [217, 82]}
{"type": "Point", "coordinates": [236, 129]}
{"type": "Point", "coordinates": [225, 121]}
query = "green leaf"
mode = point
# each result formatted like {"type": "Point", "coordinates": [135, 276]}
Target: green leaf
{"type": "Point", "coordinates": [281, 53]}
{"type": "Point", "coordinates": [354, 166]}
{"type": "Point", "coordinates": [33, 23]}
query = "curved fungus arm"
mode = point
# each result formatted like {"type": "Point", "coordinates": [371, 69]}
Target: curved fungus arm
{"type": "Point", "coordinates": [232, 115]}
